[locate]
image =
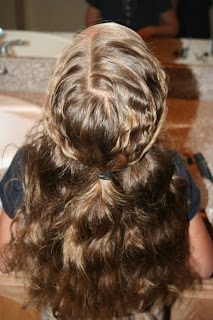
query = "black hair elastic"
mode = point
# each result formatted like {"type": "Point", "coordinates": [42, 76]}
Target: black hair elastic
{"type": "Point", "coordinates": [105, 175]}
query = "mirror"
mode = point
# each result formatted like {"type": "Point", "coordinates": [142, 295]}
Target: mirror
{"type": "Point", "coordinates": [68, 15]}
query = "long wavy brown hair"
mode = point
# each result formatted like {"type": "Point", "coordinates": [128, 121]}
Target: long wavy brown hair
{"type": "Point", "coordinates": [92, 248]}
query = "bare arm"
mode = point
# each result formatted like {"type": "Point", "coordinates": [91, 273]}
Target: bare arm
{"type": "Point", "coordinates": [201, 247]}
{"type": "Point", "coordinates": [169, 26]}
{"type": "Point", "coordinates": [5, 223]}
{"type": "Point", "coordinates": [93, 16]}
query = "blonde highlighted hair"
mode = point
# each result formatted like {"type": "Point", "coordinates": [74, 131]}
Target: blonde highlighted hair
{"type": "Point", "coordinates": [91, 248]}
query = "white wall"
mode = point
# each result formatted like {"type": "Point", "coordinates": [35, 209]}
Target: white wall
{"type": "Point", "coordinates": [45, 15]}
{"type": "Point", "coordinates": [55, 15]}
{"type": "Point", "coordinates": [7, 14]}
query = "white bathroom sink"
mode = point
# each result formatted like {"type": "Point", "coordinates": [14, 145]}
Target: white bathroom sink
{"type": "Point", "coordinates": [37, 44]}
{"type": "Point", "coordinates": [16, 118]}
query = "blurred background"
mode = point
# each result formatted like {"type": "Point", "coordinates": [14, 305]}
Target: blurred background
{"type": "Point", "coordinates": [43, 15]}
{"type": "Point", "coordinates": [48, 15]}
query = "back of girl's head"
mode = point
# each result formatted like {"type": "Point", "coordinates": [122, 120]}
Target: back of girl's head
{"type": "Point", "coordinates": [106, 101]}
{"type": "Point", "coordinates": [94, 249]}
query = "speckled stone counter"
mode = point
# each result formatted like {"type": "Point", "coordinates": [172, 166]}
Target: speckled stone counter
{"type": "Point", "coordinates": [26, 74]}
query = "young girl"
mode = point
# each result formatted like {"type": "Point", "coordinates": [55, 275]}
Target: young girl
{"type": "Point", "coordinates": [103, 217]}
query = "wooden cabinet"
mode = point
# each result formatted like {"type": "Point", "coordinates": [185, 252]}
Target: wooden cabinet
{"type": "Point", "coordinates": [195, 304]}
{"type": "Point", "coordinates": [11, 310]}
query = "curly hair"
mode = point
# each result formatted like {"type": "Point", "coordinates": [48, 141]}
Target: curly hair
{"type": "Point", "coordinates": [91, 248]}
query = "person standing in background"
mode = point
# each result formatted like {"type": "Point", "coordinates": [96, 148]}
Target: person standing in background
{"type": "Point", "coordinates": [147, 18]}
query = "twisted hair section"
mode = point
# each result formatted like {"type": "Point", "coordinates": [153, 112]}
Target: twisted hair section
{"type": "Point", "coordinates": [91, 248]}
{"type": "Point", "coordinates": [107, 92]}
